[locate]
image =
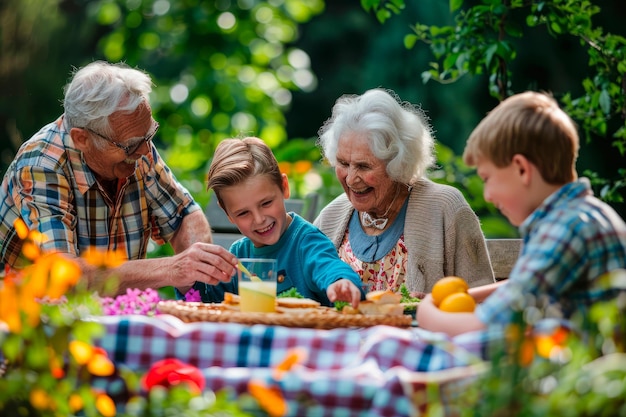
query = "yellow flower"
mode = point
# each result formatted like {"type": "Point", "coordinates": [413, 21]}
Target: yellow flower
{"type": "Point", "coordinates": [81, 351]}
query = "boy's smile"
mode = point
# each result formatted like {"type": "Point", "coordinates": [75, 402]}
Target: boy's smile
{"type": "Point", "coordinates": [257, 207]}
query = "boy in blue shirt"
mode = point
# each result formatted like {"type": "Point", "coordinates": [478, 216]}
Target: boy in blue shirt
{"type": "Point", "coordinates": [525, 151]}
{"type": "Point", "coordinates": [250, 188]}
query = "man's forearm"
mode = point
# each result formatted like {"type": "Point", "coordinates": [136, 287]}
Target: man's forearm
{"type": "Point", "coordinates": [194, 228]}
{"type": "Point", "coordinates": [142, 274]}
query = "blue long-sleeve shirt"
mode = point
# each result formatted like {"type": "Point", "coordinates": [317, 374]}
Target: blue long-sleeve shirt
{"type": "Point", "coordinates": [306, 258]}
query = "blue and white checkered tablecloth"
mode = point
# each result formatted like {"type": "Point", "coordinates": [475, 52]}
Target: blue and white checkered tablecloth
{"type": "Point", "coordinates": [375, 371]}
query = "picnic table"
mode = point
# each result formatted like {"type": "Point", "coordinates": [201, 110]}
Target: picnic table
{"type": "Point", "coordinates": [372, 371]}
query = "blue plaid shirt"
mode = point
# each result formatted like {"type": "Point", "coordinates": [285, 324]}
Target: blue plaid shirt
{"type": "Point", "coordinates": [51, 188]}
{"type": "Point", "coordinates": [569, 241]}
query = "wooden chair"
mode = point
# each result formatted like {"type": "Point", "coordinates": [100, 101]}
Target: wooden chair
{"type": "Point", "coordinates": [503, 254]}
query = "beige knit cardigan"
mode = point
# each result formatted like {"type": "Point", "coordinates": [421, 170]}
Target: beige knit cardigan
{"type": "Point", "coordinates": [441, 232]}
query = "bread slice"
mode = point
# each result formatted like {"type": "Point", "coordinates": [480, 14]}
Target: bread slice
{"type": "Point", "coordinates": [295, 302]}
{"type": "Point", "coordinates": [370, 308]}
{"type": "Point", "coordinates": [383, 297]}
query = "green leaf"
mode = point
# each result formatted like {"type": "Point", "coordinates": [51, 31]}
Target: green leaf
{"type": "Point", "coordinates": [409, 41]}
{"type": "Point", "coordinates": [489, 53]}
{"type": "Point", "coordinates": [382, 15]}
{"type": "Point", "coordinates": [605, 102]}
{"type": "Point", "coordinates": [455, 5]}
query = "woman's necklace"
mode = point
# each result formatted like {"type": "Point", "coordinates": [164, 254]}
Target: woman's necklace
{"type": "Point", "coordinates": [381, 222]}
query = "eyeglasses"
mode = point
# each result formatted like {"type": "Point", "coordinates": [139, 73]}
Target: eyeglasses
{"type": "Point", "coordinates": [135, 143]}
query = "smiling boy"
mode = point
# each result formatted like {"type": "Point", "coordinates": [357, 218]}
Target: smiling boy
{"type": "Point", "coordinates": [525, 151]}
{"type": "Point", "coordinates": [250, 188]}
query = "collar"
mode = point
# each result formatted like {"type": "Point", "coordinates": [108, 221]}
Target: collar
{"type": "Point", "coordinates": [568, 192]}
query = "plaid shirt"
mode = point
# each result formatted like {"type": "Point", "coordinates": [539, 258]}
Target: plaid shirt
{"type": "Point", "coordinates": [51, 188]}
{"type": "Point", "coordinates": [569, 241]}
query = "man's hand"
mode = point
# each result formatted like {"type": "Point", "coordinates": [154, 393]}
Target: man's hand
{"type": "Point", "coordinates": [344, 290]}
{"type": "Point", "coordinates": [202, 262]}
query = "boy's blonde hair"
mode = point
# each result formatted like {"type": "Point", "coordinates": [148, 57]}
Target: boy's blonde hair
{"type": "Point", "coordinates": [530, 124]}
{"type": "Point", "coordinates": [236, 160]}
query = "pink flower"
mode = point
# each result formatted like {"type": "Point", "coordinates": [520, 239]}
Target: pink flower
{"type": "Point", "coordinates": [135, 301]}
{"type": "Point", "coordinates": [193, 295]}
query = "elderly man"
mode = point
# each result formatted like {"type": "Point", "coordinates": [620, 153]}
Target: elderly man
{"type": "Point", "coordinates": [93, 179]}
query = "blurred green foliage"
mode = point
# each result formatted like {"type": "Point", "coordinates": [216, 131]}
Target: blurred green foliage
{"type": "Point", "coordinates": [274, 68]}
{"type": "Point", "coordinates": [487, 36]}
{"type": "Point", "coordinates": [543, 368]}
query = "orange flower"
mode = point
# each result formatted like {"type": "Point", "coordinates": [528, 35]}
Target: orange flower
{"type": "Point", "coordinates": [293, 357]}
{"type": "Point", "coordinates": [100, 364]}
{"type": "Point", "coordinates": [560, 335]}
{"type": "Point", "coordinates": [104, 259]}
{"type": "Point", "coordinates": [40, 399]}
{"type": "Point", "coordinates": [115, 258]}
{"type": "Point", "coordinates": [31, 250]}
{"type": "Point", "coordinates": [64, 274]}
{"type": "Point", "coordinates": [270, 399]}
{"type": "Point", "coordinates": [105, 405]}
{"type": "Point", "coordinates": [285, 167]}
{"type": "Point", "coordinates": [526, 352]}
{"type": "Point", "coordinates": [76, 402]}
{"type": "Point", "coordinates": [56, 367]}
{"type": "Point", "coordinates": [302, 167]}
{"type": "Point", "coordinates": [21, 229]}
{"type": "Point", "coordinates": [9, 306]}
{"type": "Point", "coordinates": [36, 237]}
{"type": "Point", "coordinates": [95, 358]}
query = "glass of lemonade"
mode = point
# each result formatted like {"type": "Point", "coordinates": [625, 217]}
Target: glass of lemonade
{"type": "Point", "coordinates": [257, 294]}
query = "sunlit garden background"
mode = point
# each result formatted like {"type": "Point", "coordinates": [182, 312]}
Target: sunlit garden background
{"type": "Point", "coordinates": [273, 69]}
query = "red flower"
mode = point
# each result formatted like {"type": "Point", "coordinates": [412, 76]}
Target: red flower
{"type": "Point", "coordinates": [170, 372]}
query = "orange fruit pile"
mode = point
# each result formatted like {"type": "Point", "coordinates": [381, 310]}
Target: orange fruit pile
{"type": "Point", "coordinates": [450, 295]}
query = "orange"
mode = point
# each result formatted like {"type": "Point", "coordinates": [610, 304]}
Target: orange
{"type": "Point", "coordinates": [459, 302]}
{"type": "Point", "coordinates": [446, 286]}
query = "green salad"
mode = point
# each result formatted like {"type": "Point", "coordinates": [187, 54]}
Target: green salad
{"type": "Point", "coordinates": [410, 302]}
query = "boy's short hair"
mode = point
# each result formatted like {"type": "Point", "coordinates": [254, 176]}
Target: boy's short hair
{"type": "Point", "coordinates": [530, 124]}
{"type": "Point", "coordinates": [236, 160]}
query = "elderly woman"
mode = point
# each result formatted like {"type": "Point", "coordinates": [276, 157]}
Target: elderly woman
{"type": "Point", "coordinates": [392, 224]}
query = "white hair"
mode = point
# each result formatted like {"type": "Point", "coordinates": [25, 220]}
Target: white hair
{"type": "Point", "coordinates": [398, 132]}
{"type": "Point", "coordinates": [100, 89]}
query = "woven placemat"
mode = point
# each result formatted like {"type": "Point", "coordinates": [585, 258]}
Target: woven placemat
{"type": "Point", "coordinates": [320, 318]}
